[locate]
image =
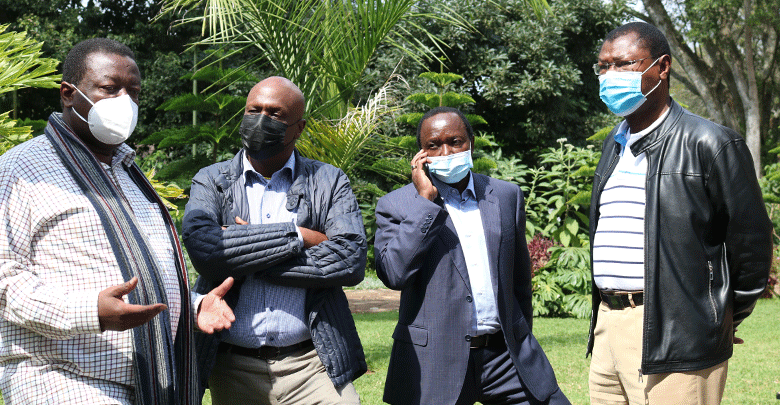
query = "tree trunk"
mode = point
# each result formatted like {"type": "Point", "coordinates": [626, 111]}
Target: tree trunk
{"type": "Point", "coordinates": [752, 109]}
{"type": "Point", "coordinates": [725, 75]}
{"type": "Point", "coordinates": [686, 57]}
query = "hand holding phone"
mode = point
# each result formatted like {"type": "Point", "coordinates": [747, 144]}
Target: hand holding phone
{"type": "Point", "coordinates": [420, 176]}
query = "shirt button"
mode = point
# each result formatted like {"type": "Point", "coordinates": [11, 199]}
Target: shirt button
{"type": "Point", "coordinates": [268, 215]}
{"type": "Point", "coordinates": [468, 338]}
{"type": "Point", "coordinates": [469, 299]}
{"type": "Point", "coordinates": [271, 339]}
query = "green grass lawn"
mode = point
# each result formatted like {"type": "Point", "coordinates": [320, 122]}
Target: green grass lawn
{"type": "Point", "coordinates": [754, 371]}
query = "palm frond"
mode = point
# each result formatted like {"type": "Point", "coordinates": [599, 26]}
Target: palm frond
{"type": "Point", "coordinates": [322, 46]}
{"type": "Point", "coordinates": [21, 64]}
{"type": "Point", "coordinates": [348, 143]}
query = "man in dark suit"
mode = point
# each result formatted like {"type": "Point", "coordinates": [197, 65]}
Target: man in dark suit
{"type": "Point", "coordinates": [453, 242]}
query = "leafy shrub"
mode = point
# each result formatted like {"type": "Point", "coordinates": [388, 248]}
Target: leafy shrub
{"type": "Point", "coordinates": [557, 200]}
{"type": "Point", "coordinates": [558, 194]}
{"type": "Point", "coordinates": [562, 286]}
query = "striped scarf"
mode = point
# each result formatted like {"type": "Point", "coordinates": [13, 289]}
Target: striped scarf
{"type": "Point", "coordinates": [164, 366]}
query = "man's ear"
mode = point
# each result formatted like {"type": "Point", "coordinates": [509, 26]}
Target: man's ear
{"type": "Point", "coordinates": [666, 66]}
{"type": "Point", "coordinates": [67, 93]}
{"type": "Point", "coordinates": [300, 125]}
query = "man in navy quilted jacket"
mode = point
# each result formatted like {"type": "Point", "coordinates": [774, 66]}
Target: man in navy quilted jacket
{"type": "Point", "coordinates": [289, 230]}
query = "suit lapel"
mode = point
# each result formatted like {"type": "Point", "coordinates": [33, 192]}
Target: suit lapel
{"type": "Point", "coordinates": [490, 212]}
{"type": "Point", "coordinates": [452, 243]}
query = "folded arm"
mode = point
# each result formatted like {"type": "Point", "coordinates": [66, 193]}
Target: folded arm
{"type": "Point", "coordinates": [340, 259]}
{"type": "Point", "coordinates": [274, 250]}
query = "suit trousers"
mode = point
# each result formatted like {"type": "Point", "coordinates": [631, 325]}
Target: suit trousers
{"type": "Point", "coordinates": [297, 378]}
{"type": "Point", "coordinates": [615, 377]}
{"type": "Point", "coordinates": [491, 378]}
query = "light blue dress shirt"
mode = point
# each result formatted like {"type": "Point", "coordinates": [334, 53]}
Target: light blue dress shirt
{"type": "Point", "coordinates": [269, 314]}
{"type": "Point", "coordinates": [463, 208]}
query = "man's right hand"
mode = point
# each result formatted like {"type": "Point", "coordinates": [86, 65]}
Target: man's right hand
{"type": "Point", "coordinates": [421, 180]}
{"type": "Point", "coordinates": [115, 314]}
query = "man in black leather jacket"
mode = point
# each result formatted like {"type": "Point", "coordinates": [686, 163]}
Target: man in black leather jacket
{"type": "Point", "coordinates": [289, 230]}
{"type": "Point", "coordinates": [680, 239]}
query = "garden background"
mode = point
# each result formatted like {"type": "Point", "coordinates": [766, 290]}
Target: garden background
{"type": "Point", "coordinates": [521, 69]}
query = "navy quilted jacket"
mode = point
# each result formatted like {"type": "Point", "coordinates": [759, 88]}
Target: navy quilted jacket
{"type": "Point", "coordinates": [325, 203]}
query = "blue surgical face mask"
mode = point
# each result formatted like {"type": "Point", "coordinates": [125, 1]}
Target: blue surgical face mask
{"type": "Point", "coordinates": [622, 91]}
{"type": "Point", "coordinates": [451, 169]}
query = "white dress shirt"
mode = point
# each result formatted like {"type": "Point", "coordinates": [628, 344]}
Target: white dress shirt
{"type": "Point", "coordinates": [463, 208]}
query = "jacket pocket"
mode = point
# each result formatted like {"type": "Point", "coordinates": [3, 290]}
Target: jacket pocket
{"type": "Point", "coordinates": [411, 334]}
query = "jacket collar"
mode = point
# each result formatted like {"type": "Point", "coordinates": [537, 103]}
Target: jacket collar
{"type": "Point", "coordinates": [660, 133]}
{"type": "Point", "coordinates": [233, 173]}
{"type": "Point", "coordinates": [235, 168]}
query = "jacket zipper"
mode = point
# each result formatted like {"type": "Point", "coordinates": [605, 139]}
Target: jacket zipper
{"type": "Point", "coordinates": [712, 298]}
{"type": "Point", "coordinates": [646, 251]}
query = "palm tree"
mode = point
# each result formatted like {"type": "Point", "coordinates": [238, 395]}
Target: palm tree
{"type": "Point", "coordinates": [323, 46]}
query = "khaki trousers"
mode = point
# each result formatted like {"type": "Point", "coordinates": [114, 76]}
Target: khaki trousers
{"type": "Point", "coordinates": [615, 377]}
{"type": "Point", "coordinates": [297, 378]}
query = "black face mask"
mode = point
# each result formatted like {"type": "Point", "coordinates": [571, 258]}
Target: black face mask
{"type": "Point", "coordinates": [262, 136]}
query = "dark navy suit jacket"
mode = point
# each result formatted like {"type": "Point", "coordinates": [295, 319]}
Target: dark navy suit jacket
{"type": "Point", "coordinates": [418, 252]}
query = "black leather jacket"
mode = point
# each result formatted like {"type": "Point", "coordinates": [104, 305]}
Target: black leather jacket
{"type": "Point", "coordinates": [708, 241]}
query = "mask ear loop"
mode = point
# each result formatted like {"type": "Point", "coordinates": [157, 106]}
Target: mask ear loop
{"type": "Point", "coordinates": [85, 97]}
{"type": "Point", "coordinates": [659, 80]}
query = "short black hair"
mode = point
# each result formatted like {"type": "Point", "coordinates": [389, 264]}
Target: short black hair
{"type": "Point", "coordinates": [650, 37]}
{"type": "Point", "coordinates": [445, 110]}
{"type": "Point", "coordinates": [74, 66]}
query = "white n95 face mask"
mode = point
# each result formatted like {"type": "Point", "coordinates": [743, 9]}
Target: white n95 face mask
{"type": "Point", "coordinates": [111, 120]}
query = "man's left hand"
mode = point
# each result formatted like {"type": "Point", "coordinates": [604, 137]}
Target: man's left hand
{"type": "Point", "coordinates": [214, 313]}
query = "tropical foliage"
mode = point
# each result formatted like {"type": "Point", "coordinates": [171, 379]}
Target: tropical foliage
{"type": "Point", "coordinates": [440, 98]}
{"type": "Point", "coordinates": [557, 198]}
{"type": "Point", "coordinates": [219, 112]}
{"type": "Point", "coordinates": [322, 46]}
{"type": "Point", "coordinates": [530, 78]}
{"type": "Point", "coordinates": [21, 65]}
{"type": "Point", "coordinates": [558, 193]}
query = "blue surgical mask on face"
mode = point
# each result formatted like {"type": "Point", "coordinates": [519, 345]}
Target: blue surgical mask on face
{"type": "Point", "coordinates": [452, 168]}
{"type": "Point", "coordinates": [622, 91]}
